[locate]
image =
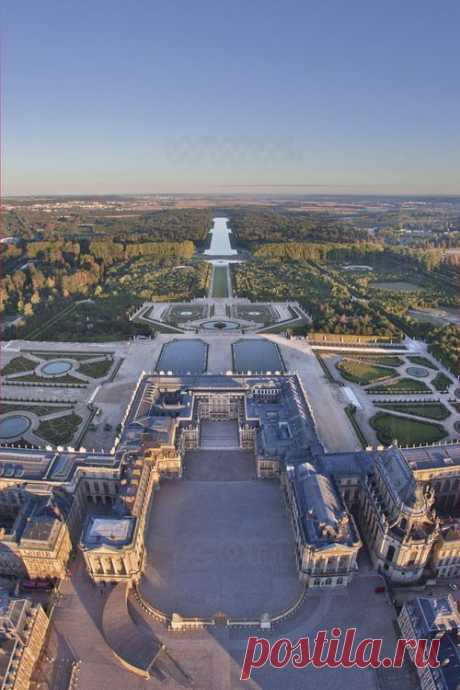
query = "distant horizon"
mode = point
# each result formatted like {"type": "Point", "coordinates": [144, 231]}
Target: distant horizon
{"type": "Point", "coordinates": [285, 194]}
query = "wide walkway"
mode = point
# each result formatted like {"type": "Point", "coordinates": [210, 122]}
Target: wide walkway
{"type": "Point", "coordinates": [132, 643]}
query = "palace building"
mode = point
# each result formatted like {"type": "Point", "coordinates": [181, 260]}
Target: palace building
{"type": "Point", "coordinates": [401, 504]}
{"type": "Point", "coordinates": [23, 627]}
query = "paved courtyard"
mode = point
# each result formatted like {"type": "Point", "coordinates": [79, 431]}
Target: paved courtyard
{"type": "Point", "coordinates": [219, 465]}
{"type": "Point", "coordinates": [220, 546]}
{"type": "Point", "coordinates": [214, 434]}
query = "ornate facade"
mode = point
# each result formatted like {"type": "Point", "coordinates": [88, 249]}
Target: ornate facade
{"type": "Point", "coordinates": [401, 504]}
{"type": "Point", "coordinates": [23, 627]}
{"type": "Point", "coordinates": [326, 536]}
{"type": "Point", "coordinates": [430, 618]}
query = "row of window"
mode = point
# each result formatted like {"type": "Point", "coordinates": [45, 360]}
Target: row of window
{"type": "Point", "coordinates": [94, 487]}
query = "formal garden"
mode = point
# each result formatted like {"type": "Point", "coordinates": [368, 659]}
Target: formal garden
{"type": "Point", "coordinates": [59, 369]}
{"type": "Point", "coordinates": [393, 396]}
{"type": "Point", "coordinates": [181, 313]}
{"type": "Point", "coordinates": [59, 430]}
{"type": "Point", "coordinates": [39, 422]}
{"type": "Point", "coordinates": [260, 313]}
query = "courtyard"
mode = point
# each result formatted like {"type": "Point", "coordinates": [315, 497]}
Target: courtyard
{"type": "Point", "coordinates": [219, 546]}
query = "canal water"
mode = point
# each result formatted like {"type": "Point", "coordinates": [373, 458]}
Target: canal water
{"type": "Point", "coordinates": [220, 239]}
{"type": "Point", "coordinates": [183, 357]}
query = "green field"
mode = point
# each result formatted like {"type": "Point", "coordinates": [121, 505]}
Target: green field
{"type": "Point", "coordinates": [406, 432]}
{"type": "Point", "coordinates": [363, 372]}
{"type": "Point", "coordinates": [220, 282]}
{"type": "Point", "coordinates": [401, 386]}
{"type": "Point", "coordinates": [436, 411]}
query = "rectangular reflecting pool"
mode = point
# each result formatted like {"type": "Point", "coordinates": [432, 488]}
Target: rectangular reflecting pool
{"type": "Point", "coordinates": [183, 357]}
{"type": "Point", "coordinates": [256, 356]}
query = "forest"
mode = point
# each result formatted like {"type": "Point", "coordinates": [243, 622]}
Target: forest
{"type": "Point", "coordinates": [253, 227]}
{"type": "Point", "coordinates": [175, 225]}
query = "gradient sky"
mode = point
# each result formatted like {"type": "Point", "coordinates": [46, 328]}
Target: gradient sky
{"type": "Point", "coordinates": [105, 96]}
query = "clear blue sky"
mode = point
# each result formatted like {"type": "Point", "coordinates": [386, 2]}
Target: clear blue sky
{"type": "Point", "coordinates": [107, 96]}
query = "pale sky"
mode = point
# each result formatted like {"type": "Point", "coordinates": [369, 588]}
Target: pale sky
{"type": "Point", "coordinates": [113, 97]}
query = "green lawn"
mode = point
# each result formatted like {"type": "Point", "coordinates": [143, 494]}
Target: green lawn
{"type": "Point", "coordinates": [96, 370]}
{"type": "Point", "coordinates": [422, 361]}
{"type": "Point", "coordinates": [401, 386]}
{"type": "Point", "coordinates": [441, 382]}
{"type": "Point", "coordinates": [429, 410]}
{"type": "Point", "coordinates": [61, 380]}
{"type": "Point", "coordinates": [61, 430]}
{"type": "Point", "coordinates": [384, 360]}
{"type": "Point", "coordinates": [68, 355]}
{"type": "Point", "coordinates": [363, 372]}
{"type": "Point", "coordinates": [17, 365]}
{"type": "Point", "coordinates": [39, 410]}
{"type": "Point", "coordinates": [406, 432]}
